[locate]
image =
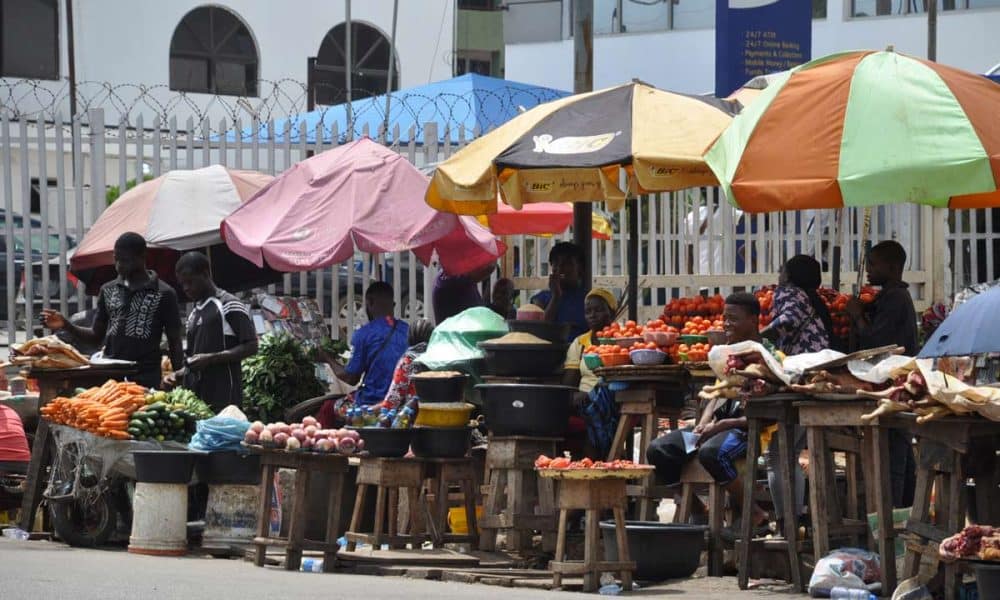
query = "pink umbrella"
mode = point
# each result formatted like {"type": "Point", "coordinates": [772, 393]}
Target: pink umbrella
{"type": "Point", "coordinates": [359, 196]}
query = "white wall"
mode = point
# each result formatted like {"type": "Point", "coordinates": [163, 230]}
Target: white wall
{"type": "Point", "coordinates": [685, 60]}
{"type": "Point", "coordinates": [124, 42]}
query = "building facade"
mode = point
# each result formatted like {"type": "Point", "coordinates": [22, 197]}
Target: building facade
{"type": "Point", "coordinates": [671, 43]}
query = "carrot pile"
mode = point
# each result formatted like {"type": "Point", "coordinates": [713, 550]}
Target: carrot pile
{"type": "Point", "coordinates": [103, 410]}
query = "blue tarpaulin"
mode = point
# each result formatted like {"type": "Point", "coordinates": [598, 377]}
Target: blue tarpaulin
{"type": "Point", "coordinates": [475, 102]}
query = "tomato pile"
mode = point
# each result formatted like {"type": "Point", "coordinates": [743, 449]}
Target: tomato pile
{"type": "Point", "coordinates": [699, 325]}
{"type": "Point", "coordinates": [677, 311]}
{"type": "Point", "coordinates": [566, 463]}
{"type": "Point", "coordinates": [617, 330]}
{"type": "Point", "coordinates": [690, 353]}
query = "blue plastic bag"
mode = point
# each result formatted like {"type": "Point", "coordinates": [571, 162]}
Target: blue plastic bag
{"type": "Point", "coordinates": [219, 433]}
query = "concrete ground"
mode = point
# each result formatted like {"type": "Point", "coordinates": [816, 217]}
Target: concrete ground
{"type": "Point", "coordinates": [53, 571]}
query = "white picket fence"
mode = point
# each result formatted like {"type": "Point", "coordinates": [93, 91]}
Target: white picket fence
{"type": "Point", "coordinates": [689, 241]}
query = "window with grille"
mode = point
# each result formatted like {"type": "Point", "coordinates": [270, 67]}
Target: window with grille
{"type": "Point", "coordinates": [213, 52]}
{"type": "Point", "coordinates": [369, 64]}
{"type": "Point", "coordinates": [29, 39]}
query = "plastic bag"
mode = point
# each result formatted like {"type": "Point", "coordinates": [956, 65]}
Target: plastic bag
{"type": "Point", "coordinates": [455, 339]}
{"type": "Point", "coordinates": [219, 433]}
{"type": "Point", "coordinates": [852, 568]}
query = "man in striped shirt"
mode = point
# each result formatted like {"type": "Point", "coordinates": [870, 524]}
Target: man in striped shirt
{"type": "Point", "coordinates": [220, 334]}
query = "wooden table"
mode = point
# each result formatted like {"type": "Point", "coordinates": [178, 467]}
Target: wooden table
{"type": "Point", "coordinates": [646, 399]}
{"type": "Point", "coordinates": [821, 417]}
{"type": "Point", "coordinates": [304, 463]}
{"type": "Point", "coordinates": [760, 412]}
{"type": "Point", "coordinates": [53, 383]}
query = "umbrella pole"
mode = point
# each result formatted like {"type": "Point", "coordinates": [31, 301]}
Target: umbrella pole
{"type": "Point", "coordinates": [582, 227]}
{"type": "Point", "coordinates": [633, 260]}
{"type": "Point", "coordinates": [838, 234]}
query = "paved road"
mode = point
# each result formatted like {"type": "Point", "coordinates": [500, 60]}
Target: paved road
{"type": "Point", "coordinates": [52, 571]}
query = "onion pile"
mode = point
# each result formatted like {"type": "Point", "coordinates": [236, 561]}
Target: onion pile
{"type": "Point", "coordinates": [306, 435]}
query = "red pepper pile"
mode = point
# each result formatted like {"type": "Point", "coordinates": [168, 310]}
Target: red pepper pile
{"type": "Point", "coordinates": [563, 462]}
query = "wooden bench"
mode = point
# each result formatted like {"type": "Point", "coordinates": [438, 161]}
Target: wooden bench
{"type": "Point", "coordinates": [390, 477]}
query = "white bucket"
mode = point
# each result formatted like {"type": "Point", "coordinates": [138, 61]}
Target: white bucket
{"type": "Point", "coordinates": [231, 515]}
{"type": "Point", "coordinates": [159, 519]}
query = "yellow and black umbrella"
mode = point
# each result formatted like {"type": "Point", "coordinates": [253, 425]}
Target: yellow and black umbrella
{"type": "Point", "coordinates": [571, 150]}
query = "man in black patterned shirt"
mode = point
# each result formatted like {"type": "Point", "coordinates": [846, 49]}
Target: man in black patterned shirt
{"type": "Point", "coordinates": [220, 334]}
{"type": "Point", "coordinates": [133, 313]}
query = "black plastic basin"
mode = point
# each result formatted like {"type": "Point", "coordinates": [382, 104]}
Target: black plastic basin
{"type": "Point", "coordinates": [523, 360]}
{"type": "Point", "coordinates": [164, 466]}
{"type": "Point", "coordinates": [440, 389]}
{"type": "Point", "coordinates": [386, 442]}
{"type": "Point", "coordinates": [526, 409]}
{"type": "Point", "coordinates": [440, 442]}
{"type": "Point", "coordinates": [660, 550]}
{"type": "Point", "coordinates": [228, 468]}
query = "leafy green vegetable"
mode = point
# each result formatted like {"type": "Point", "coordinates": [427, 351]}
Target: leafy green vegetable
{"type": "Point", "coordinates": [191, 403]}
{"type": "Point", "coordinates": [279, 376]}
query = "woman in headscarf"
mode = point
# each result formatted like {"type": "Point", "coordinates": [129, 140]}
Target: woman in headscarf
{"type": "Point", "coordinates": [595, 399]}
{"type": "Point", "coordinates": [801, 322]}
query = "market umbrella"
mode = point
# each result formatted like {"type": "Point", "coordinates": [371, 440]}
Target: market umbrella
{"type": "Point", "coordinates": [176, 212]}
{"type": "Point", "coordinates": [359, 196]}
{"type": "Point", "coordinates": [864, 128]}
{"type": "Point", "coordinates": [572, 149]}
{"type": "Point", "coordinates": [544, 219]}
{"type": "Point", "coordinates": [970, 329]}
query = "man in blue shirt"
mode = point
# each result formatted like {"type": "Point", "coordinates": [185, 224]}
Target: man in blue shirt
{"type": "Point", "coordinates": [375, 348]}
{"type": "Point", "coordinates": [563, 301]}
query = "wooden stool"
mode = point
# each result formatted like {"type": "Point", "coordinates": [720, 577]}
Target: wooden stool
{"type": "Point", "coordinates": [391, 477]}
{"type": "Point", "coordinates": [304, 463]}
{"type": "Point", "coordinates": [439, 475]}
{"type": "Point", "coordinates": [761, 412]}
{"type": "Point", "coordinates": [941, 448]}
{"type": "Point", "coordinates": [516, 500]}
{"type": "Point", "coordinates": [646, 401]}
{"type": "Point", "coordinates": [593, 496]}
{"type": "Point", "coordinates": [695, 477]}
{"type": "Point", "coordinates": [825, 422]}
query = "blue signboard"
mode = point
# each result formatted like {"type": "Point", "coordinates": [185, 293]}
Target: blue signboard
{"type": "Point", "coordinates": [759, 37]}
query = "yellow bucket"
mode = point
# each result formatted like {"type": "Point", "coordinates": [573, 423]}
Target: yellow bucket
{"type": "Point", "coordinates": [445, 414]}
{"type": "Point", "coordinates": [457, 522]}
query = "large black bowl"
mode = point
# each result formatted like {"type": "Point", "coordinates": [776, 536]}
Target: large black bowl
{"type": "Point", "coordinates": [228, 468]}
{"type": "Point", "coordinates": [385, 441]}
{"type": "Point", "coordinates": [523, 360]}
{"type": "Point", "coordinates": [660, 550]}
{"type": "Point", "coordinates": [164, 466]}
{"type": "Point", "coordinates": [440, 389]}
{"type": "Point", "coordinates": [440, 442]}
{"type": "Point", "coordinates": [521, 409]}
{"type": "Point", "coordinates": [557, 333]}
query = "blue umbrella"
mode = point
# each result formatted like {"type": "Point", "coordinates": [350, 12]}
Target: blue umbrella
{"type": "Point", "coordinates": [475, 101]}
{"type": "Point", "coordinates": [973, 328]}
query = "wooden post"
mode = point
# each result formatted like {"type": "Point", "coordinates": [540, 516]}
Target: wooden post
{"type": "Point", "coordinates": [583, 81]}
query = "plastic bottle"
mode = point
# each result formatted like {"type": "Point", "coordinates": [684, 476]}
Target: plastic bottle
{"type": "Point", "coordinates": [15, 533]}
{"type": "Point", "coordinates": [608, 586]}
{"type": "Point", "coordinates": [312, 565]}
{"type": "Point", "coordinates": [403, 419]}
{"type": "Point", "coordinates": [842, 593]}
{"type": "Point", "coordinates": [370, 418]}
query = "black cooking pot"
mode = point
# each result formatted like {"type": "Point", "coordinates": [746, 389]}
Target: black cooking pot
{"type": "Point", "coordinates": [557, 333]}
{"type": "Point", "coordinates": [386, 441]}
{"type": "Point", "coordinates": [228, 468]}
{"type": "Point", "coordinates": [521, 409]}
{"type": "Point", "coordinates": [164, 466]}
{"type": "Point", "coordinates": [523, 360]}
{"type": "Point", "coordinates": [441, 442]}
{"type": "Point", "coordinates": [440, 389]}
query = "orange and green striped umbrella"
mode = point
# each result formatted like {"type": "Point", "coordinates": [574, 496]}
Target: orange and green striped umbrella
{"type": "Point", "coordinates": [862, 129]}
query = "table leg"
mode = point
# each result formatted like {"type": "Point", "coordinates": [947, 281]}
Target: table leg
{"type": "Point", "coordinates": [469, 494]}
{"type": "Point", "coordinates": [560, 547]}
{"type": "Point", "coordinates": [441, 504]}
{"type": "Point", "coordinates": [956, 521]}
{"type": "Point", "coordinates": [786, 470]}
{"type": "Point", "coordinates": [883, 507]}
{"type": "Point", "coordinates": [746, 530]}
{"type": "Point", "coordinates": [333, 509]}
{"type": "Point", "coordinates": [623, 553]}
{"type": "Point", "coordinates": [264, 511]}
{"type": "Point", "coordinates": [819, 457]}
{"type": "Point", "coordinates": [393, 509]}
{"type": "Point", "coordinates": [41, 457]}
{"type": "Point", "coordinates": [616, 446]}
{"type": "Point", "coordinates": [380, 495]}
{"type": "Point", "coordinates": [591, 579]}
{"type": "Point", "coordinates": [516, 539]}
{"type": "Point", "coordinates": [920, 513]}
{"type": "Point", "coordinates": [359, 507]}
{"type": "Point", "coordinates": [495, 493]}
{"type": "Point", "coordinates": [297, 526]}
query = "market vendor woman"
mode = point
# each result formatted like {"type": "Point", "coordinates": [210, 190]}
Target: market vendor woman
{"type": "Point", "coordinates": [595, 400]}
{"type": "Point", "coordinates": [220, 335]}
{"type": "Point", "coordinates": [133, 313]}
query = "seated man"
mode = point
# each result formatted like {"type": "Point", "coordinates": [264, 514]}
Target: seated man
{"type": "Point", "coordinates": [375, 349]}
{"type": "Point", "coordinates": [722, 427]}
{"type": "Point", "coordinates": [14, 451]}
